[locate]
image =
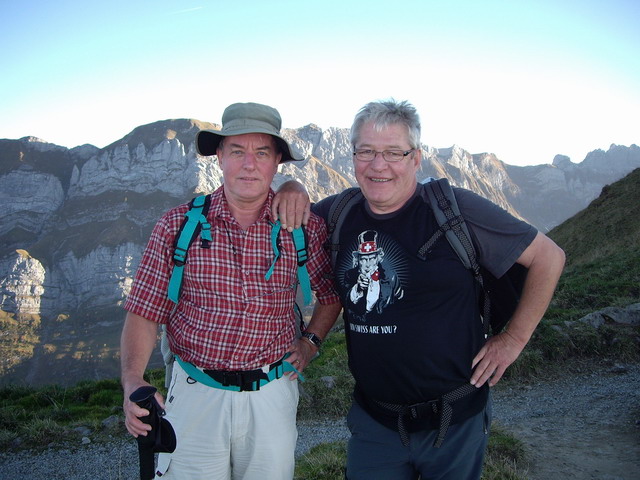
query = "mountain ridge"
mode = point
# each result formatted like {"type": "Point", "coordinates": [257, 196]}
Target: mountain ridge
{"type": "Point", "coordinates": [76, 221]}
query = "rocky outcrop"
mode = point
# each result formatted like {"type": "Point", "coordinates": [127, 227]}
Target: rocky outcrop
{"type": "Point", "coordinates": [614, 315]}
{"type": "Point", "coordinates": [22, 286]}
{"type": "Point", "coordinates": [74, 222]}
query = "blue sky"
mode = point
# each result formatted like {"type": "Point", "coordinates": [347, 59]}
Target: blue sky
{"type": "Point", "coordinates": [525, 80]}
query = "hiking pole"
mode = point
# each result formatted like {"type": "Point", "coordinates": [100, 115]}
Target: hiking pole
{"type": "Point", "coordinates": [144, 398]}
{"type": "Point", "coordinates": [161, 438]}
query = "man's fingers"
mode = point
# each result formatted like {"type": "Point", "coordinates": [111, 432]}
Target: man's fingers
{"type": "Point", "coordinates": [292, 220]}
{"type": "Point", "coordinates": [135, 426]}
{"type": "Point", "coordinates": [495, 378]}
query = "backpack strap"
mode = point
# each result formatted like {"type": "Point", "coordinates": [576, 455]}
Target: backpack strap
{"type": "Point", "coordinates": [194, 223]}
{"type": "Point", "coordinates": [453, 227]}
{"type": "Point", "coordinates": [451, 222]}
{"type": "Point", "coordinates": [300, 241]}
{"type": "Point", "coordinates": [337, 213]}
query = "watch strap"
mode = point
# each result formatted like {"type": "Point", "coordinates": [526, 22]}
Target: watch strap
{"type": "Point", "coordinates": [313, 338]}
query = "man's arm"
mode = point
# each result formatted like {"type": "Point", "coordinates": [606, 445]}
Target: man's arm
{"type": "Point", "coordinates": [323, 318]}
{"type": "Point", "coordinates": [291, 205]}
{"type": "Point", "coordinates": [545, 261]}
{"type": "Point", "coordinates": [138, 340]}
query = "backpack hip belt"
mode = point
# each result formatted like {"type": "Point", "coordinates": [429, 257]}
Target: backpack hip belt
{"type": "Point", "coordinates": [239, 381]}
{"type": "Point", "coordinates": [441, 408]}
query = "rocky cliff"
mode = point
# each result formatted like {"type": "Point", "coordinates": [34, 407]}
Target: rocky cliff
{"type": "Point", "coordinates": [74, 224]}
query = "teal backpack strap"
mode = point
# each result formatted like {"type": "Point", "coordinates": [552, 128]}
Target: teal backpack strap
{"type": "Point", "coordinates": [195, 222]}
{"type": "Point", "coordinates": [199, 376]}
{"type": "Point", "coordinates": [300, 242]}
{"type": "Point", "coordinates": [275, 231]}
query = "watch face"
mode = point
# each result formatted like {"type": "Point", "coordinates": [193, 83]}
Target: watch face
{"type": "Point", "coordinates": [313, 337]}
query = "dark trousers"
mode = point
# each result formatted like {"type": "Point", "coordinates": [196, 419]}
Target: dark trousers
{"type": "Point", "coordinates": [376, 453]}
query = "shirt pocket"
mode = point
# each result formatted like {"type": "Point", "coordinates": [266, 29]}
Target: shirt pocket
{"type": "Point", "coordinates": [283, 278]}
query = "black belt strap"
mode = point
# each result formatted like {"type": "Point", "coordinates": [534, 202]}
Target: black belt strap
{"type": "Point", "coordinates": [247, 380]}
{"type": "Point", "coordinates": [447, 411]}
{"type": "Point", "coordinates": [441, 406]}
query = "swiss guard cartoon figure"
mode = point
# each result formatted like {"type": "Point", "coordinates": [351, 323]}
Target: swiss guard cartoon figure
{"type": "Point", "coordinates": [373, 284]}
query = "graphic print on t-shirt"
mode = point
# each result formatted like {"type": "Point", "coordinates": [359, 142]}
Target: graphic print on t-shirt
{"type": "Point", "coordinates": [371, 282]}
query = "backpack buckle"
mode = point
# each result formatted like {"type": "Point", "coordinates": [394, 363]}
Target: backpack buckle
{"type": "Point", "coordinates": [302, 256]}
{"type": "Point", "coordinates": [180, 257]}
{"type": "Point", "coordinates": [423, 409]}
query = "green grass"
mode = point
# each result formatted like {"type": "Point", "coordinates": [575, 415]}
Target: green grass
{"type": "Point", "coordinates": [326, 393]}
{"type": "Point", "coordinates": [36, 417]}
{"type": "Point", "coordinates": [323, 462]}
{"type": "Point", "coordinates": [506, 457]}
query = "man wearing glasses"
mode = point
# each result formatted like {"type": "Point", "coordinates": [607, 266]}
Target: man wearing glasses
{"type": "Point", "coordinates": [411, 355]}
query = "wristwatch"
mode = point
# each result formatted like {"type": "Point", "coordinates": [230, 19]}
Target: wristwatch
{"type": "Point", "coordinates": [313, 338]}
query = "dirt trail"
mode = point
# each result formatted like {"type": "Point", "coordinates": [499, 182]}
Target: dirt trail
{"type": "Point", "coordinates": [584, 426]}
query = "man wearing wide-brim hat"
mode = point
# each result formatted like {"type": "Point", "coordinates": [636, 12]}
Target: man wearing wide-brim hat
{"type": "Point", "coordinates": [243, 118]}
{"type": "Point", "coordinates": [232, 328]}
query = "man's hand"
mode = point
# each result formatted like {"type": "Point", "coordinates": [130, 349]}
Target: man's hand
{"type": "Point", "coordinates": [291, 205]}
{"type": "Point", "coordinates": [363, 282]}
{"type": "Point", "coordinates": [494, 357]}
{"type": "Point", "coordinates": [138, 340]}
{"type": "Point", "coordinates": [301, 353]}
{"type": "Point", "coordinates": [132, 412]}
{"type": "Point", "coordinates": [545, 261]}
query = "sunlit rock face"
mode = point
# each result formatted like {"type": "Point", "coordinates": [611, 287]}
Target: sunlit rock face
{"type": "Point", "coordinates": [22, 288]}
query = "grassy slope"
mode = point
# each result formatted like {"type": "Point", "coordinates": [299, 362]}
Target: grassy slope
{"type": "Point", "coordinates": [602, 244]}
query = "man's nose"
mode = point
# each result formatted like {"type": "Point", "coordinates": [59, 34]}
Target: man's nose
{"type": "Point", "coordinates": [249, 160]}
{"type": "Point", "coordinates": [378, 161]}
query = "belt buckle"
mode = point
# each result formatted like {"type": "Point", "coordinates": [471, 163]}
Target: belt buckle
{"type": "Point", "coordinates": [231, 379]}
{"type": "Point", "coordinates": [417, 410]}
{"type": "Point", "coordinates": [273, 366]}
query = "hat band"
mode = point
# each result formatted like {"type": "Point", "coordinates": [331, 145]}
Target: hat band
{"type": "Point", "coordinates": [244, 124]}
{"type": "Point", "coordinates": [368, 247]}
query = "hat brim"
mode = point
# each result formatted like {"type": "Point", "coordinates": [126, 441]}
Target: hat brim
{"type": "Point", "coordinates": [207, 142]}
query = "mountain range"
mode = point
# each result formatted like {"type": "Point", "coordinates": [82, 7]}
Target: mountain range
{"type": "Point", "coordinates": [75, 223]}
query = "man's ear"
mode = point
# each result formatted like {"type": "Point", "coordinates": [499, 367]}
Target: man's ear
{"type": "Point", "coordinates": [417, 157]}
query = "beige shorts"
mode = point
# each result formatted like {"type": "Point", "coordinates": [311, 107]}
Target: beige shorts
{"type": "Point", "coordinates": [226, 435]}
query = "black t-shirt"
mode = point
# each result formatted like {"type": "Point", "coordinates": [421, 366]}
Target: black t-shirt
{"type": "Point", "coordinates": [413, 326]}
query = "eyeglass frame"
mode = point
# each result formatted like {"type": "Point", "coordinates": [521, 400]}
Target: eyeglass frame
{"type": "Point", "coordinates": [405, 153]}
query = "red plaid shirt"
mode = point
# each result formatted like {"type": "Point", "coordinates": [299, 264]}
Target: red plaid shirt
{"type": "Point", "coordinates": [229, 317]}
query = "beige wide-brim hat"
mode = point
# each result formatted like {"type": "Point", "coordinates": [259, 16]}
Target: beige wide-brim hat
{"type": "Point", "coordinates": [242, 118]}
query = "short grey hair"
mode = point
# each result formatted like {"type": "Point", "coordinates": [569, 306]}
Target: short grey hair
{"type": "Point", "coordinates": [385, 113]}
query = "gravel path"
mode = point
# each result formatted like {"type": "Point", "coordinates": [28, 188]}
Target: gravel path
{"type": "Point", "coordinates": [584, 426]}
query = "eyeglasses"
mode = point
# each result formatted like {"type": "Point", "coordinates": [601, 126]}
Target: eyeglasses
{"type": "Point", "coordinates": [367, 155]}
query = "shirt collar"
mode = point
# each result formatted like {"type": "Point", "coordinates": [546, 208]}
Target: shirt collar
{"type": "Point", "coordinates": [221, 207]}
